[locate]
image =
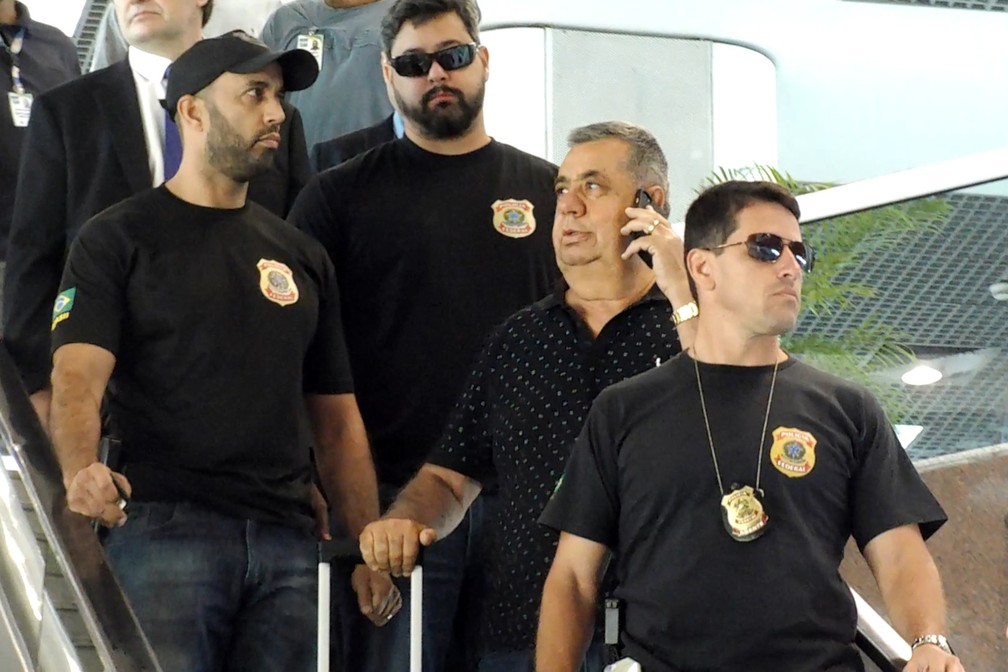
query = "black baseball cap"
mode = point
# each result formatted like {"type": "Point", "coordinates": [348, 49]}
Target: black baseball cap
{"type": "Point", "coordinates": [236, 52]}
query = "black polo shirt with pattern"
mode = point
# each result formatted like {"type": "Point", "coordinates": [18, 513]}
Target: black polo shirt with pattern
{"type": "Point", "coordinates": [515, 425]}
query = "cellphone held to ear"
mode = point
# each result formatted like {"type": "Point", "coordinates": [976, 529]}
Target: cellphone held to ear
{"type": "Point", "coordinates": [642, 200]}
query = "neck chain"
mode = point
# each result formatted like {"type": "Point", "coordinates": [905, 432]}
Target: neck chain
{"type": "Point", "coordinates": [741, 509]}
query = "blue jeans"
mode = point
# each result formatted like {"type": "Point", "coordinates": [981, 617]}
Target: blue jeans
{"type": "Point", "coordinates": [215, 593]}
{"type": "Point", "coordinates": [524, 661]}
{"type": "Point", "coordinates": [367, 648]}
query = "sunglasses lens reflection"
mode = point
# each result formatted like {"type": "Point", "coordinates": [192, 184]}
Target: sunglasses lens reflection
{"type": "Point", "coordinates": [417, 65]}
{"type": "Point", "coordinates": [768, 247]}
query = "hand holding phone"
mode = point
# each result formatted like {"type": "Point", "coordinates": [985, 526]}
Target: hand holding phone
{"type": "Point", "coordinates": [642, 199]}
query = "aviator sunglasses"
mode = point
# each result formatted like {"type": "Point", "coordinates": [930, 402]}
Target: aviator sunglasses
{"type": "Point", "coordinates": [418, 64]}
{"type": "Point", "coordinates": [769, 247]}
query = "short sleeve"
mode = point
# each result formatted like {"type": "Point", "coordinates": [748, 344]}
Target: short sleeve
{"type": "Point", "coordinates": [586, 500]}
{"type": "Point", "coordinates": [467, 443]}
{"type": "Point", "coordinates": [327, 363]}
{"type": "Point", "coordinates": [886, 490]}
{"type": "Point", "coordinates": [91, 303]}
{"type": "Point", "coordinates": [312, 214]}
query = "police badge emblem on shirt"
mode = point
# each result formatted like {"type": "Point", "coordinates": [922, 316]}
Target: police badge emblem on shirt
{"type": "Point", "coordinates": [793, 452]}
{"type": "Point", "coordinates": [276, 282]}
{"type": "Point", "coordinates": [513, 218]}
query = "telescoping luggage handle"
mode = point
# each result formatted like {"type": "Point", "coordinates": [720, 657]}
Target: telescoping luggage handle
{"type": "Point", "coordinates": [348, 551]}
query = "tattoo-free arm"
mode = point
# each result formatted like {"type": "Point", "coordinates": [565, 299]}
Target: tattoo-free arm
{"type": "Point", "coordinates": [567, 615]}
{"type": "Point", "coordinates": [343, 458]}
{"type": "Point", "coordinates": [80, 375]}
{"type": "Point", "coordinates": [430, 506]}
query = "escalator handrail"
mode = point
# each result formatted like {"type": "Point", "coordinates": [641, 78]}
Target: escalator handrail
{"type": "Point", "coordinates": [112, 626]}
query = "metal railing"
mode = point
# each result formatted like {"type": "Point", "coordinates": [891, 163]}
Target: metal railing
{"type": "Point", "coordinates": [110, 623]}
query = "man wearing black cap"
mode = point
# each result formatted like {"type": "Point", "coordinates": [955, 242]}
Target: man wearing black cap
{"type": "Point", "coordinates": [94, 142]}
{"type": "Point", "coordinates": [211, 321]}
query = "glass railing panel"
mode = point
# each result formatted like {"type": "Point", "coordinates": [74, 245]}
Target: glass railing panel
{"type": "Point", "coordinates": [104, 635]}
{"type": "Point", "coordinates": [928, 283]}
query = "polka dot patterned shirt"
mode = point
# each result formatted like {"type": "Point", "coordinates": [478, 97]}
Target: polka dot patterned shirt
{"type": "Point", "coordinates": [515, 425]}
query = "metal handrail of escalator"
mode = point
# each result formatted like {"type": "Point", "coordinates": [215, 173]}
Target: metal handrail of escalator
{"type": "Point", "coordinates": [112, 626]}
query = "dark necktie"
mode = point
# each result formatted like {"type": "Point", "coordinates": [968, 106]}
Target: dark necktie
{"type": "Point", "coordinates": [172, 144]}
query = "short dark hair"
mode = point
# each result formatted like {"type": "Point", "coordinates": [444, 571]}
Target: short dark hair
{"type": "Point", "coordinates": [419, 12]}
{"type": "Point", "coordinates": [711, 218]}
{"type": "Point", "coordinates": [207, 11]}
{"type": "Point", "coordinates": [645, 161]}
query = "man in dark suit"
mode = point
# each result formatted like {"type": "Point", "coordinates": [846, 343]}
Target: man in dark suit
{"type": "Point", "coordinates": [334, 152]}
{"type": "Point", "coordinates": [94, 142]}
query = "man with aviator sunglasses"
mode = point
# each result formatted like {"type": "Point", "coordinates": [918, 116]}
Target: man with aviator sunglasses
{"type": "Point", "coordinates": [727, 483]}
{"type": "Point", "coordinates": [437, 237]}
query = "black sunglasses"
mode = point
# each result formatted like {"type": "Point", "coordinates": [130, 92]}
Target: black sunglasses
{"type": "Point", "coordinates": [418, 64]}
{"type": "Point", "coordinates": [769, 247]}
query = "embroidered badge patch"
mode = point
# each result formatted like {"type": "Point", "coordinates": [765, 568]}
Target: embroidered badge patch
{"type": "Point", "coordinates": [276, 281]}
{"type": "Point", "coordinates": [793, 452]}
{"type": "Point", "coordinates": [513, 219]}
{"type": "Point", "coordinates": [62, 306]}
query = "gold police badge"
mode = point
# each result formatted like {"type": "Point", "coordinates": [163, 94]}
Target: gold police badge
{"type": "Point", "coordinates": [513, 218]}
{"type": "Point", "coordinates": [276, 282]}
{"type": "Point", "coordinates": [793, 452]}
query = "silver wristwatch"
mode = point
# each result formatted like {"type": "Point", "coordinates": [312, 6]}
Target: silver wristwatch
{"type": "Point", "coordinates": [936, 640]}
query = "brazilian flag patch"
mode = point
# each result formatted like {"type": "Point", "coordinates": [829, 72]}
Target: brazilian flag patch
{"type": "Point", "coordinates": [63, 306]}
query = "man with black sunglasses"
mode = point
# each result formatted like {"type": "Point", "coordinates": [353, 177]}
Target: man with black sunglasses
{"type": "Point", "coordinates": [727, 483]}
{"type": "Point", "coordinates": [437, 237]}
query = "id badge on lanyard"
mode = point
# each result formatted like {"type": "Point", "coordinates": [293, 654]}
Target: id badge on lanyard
{"type": "Point", "coordinates": [20, 100]}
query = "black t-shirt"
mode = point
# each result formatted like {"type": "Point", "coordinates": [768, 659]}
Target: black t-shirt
{"type": "Point", "coordinates": [220, 321]}
{"type": "Point", "coordinates": [431, 252]}
{"type": "Point", "coordinates": [641, 481]}
{"type": "Point", "coordinates": [524, 405]}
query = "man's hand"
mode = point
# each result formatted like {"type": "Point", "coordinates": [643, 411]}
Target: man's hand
{"type": "Point", "coordinates": [377, 597]}
{"type": "Point", "coordinates": [666, 249]}
{"type": "Point", "coordinates": [930, 658]}
{"type": "Point", "coordinates": [392, 545]}
{"type": "Point", "coordinates": [92, 492]}
{"type": "Point", "coordinates": [320, 511]}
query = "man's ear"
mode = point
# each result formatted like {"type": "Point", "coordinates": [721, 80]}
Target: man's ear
{"type": "Point", "coordinates": [386, 69]}
{"type": "Point", "coordinates": [190, 111]}
{"type": "Point", "coordinates": [658, 198]}
{"type": "Point", "coordinates": [700, 268]}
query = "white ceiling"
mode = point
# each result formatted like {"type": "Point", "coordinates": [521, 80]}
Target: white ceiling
{"type": "Point", "coordinates": [863, 89]}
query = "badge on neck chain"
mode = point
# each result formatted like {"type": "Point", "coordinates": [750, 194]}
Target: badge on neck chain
{"type": "Point", "coordinates": [742, 513]}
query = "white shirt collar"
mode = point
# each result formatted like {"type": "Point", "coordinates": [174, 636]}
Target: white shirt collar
{"type": "Point", "coordinates": [150, 67]}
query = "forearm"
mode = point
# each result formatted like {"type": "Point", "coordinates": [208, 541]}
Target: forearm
{"type": "Point", "coordinates": [74, 423]}
{"type": "Point", "coordinates": [566, 620]}
{"type": "Point", "coordinates": [430, 500]}
{"type": "Point", "coordinates": [348, 477]}
{"type": "Point", "coordinates": [914, 598]}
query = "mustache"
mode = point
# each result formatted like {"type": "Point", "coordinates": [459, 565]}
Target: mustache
{"type": "Point", "coordinates": [437, 90]}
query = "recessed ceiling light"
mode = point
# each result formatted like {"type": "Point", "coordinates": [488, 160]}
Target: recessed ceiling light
{"type": "Point", "coordinates": [922, 375]}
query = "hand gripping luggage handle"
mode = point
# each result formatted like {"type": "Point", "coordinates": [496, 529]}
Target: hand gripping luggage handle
{"type": "Point", "coordinates": [348, 551]}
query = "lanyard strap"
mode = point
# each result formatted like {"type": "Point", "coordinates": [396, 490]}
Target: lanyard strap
{"type": "Point", "coordinates": [14, 49]}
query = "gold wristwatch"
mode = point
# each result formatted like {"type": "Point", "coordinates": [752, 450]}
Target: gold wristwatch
{"type": "Point", "coordinates": [685, 312]}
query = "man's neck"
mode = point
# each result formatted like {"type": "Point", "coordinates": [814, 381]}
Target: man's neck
{"type": "Point", "coordinates": [719, 341]}
{"type": "Point", "coordinates": [170, 49]}
{"type": "Point", "coordinates": [473, 139]}
{"type": "Point", "coordinates": [206, 187]}
{"type": "Point", "coordinates": [600, 294]}
{"type": "Point", "coordinates": [8, 12]}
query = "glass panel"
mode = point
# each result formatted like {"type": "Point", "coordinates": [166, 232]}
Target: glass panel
{"type": "Point", "coordinates": [932, 270]}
